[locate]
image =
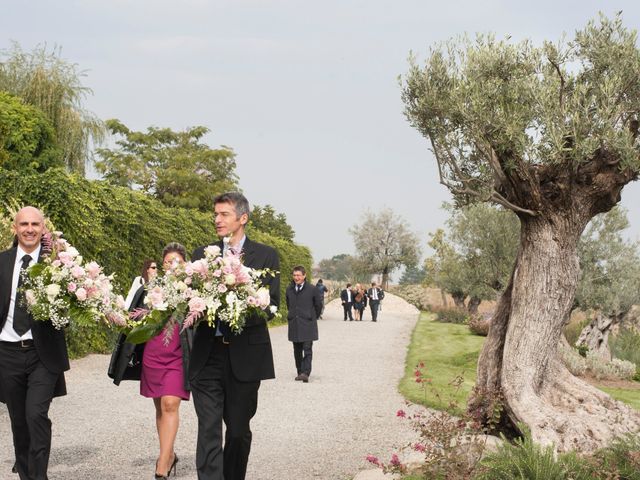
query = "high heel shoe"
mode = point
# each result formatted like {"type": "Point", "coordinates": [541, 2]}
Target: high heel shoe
{"type": "Point", "coordinates": [174, 467]}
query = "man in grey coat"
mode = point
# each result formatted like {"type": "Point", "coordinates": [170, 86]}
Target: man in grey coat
{"type": "Point", "coordinates": [305, 306]}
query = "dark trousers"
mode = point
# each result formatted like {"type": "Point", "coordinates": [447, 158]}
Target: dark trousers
{"type": "Point", "coordinates": [374, 304]}
{"type": "Point", "coordinates": [303, 354]}
{"type": "Point", "coordinates": [218, 396]}
{"type": "Point", "coordinates": [347, 310]}
{"type": "Point", "coordinates": [28, 390]}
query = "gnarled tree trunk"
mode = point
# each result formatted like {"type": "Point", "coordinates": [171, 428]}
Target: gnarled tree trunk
{"type": "Point", "coordinates": [595, 336]}
{"type": "Point", "coordinates": [519, 360]}
{"type": "Point", "coordinates": [472, 306]}
{"type": "Point", "coordinates": [458, 299]}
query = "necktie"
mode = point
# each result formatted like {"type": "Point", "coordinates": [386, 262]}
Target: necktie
{"type": "Point", "coordinates": [298, 288]}
{"type": "Point", "coordinates": [20, 314]}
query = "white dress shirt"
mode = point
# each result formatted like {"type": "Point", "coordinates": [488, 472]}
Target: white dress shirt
{"type": "Point", "coordinates": [8, 334]}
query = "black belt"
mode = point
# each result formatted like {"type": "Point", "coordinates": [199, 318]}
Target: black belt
{"type": "Point", "coordinates": [21, 344]}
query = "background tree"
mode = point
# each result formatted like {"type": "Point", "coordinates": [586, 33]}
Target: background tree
{"type": "Point", "coordinates": [27, 139]}
{"type": "Point", "coordinates": [550, 133]}
{"type": "Point", "coordinates": [445, 269]}
{"type": "Point", "coordinates": [413, 275]}
{"type": "Point", "coordinates": [610, 280]}
{"type": "Point", "coordinates": [475, 258]}
{"type": "Point", "coordinates": [172, 166]}
{"type": "Point", "coordinates": [342, 268]}
{"type": "Point", "coordinates": [268, 221]}
{"type": "Point", "coordinates": [384, 243]}
{"type": "Point", "coordinates": [46, 81]}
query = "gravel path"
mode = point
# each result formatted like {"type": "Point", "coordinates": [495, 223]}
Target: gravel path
{"type": "Point", "coordinates": [319, 430]}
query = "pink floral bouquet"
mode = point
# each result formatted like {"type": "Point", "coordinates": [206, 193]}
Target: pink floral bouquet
{"type": "Point", "coordinates": [64, 288]}
{"type": "Point", "coordinates": [214, 287]}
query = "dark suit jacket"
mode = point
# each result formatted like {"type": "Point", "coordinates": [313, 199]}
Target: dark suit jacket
{"type": "Point", "coordinates": [49, 342]}
{"type": "Point", "coordinates": [380, 294]}
{"type": "Point", "coordinates": [344, 297]}
{"type": "Point", "coordinates": [250, 351]}
{"type": "Point", "coordinates": [304, 309]}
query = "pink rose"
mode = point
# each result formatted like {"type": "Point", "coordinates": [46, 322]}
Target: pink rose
{"type": "Point", "coordinates": [72, 287]}
{"type": "Point", "coordinates": [212, 250]}
{"type": "Point", "coordinates": [200, 267]}
{"type": "Point", "coordinates": [222, 288]}
{"type": "Point", "coordinates": [93, 270]}
{"type": "Point", "coordinates": [81, 294]}
{"type": "Point", "coordinates": [217, 273]}
{"type": "Point", "coordinates": [252, 301]}
{"type": "Point", "coordinates": [156, 297]}
{"type": "Point", "coordinates": [77, 271]}
{"type": "Point", "coordinates": [197, 304]}
{"type": "Point", "coordinates": [66, 259]}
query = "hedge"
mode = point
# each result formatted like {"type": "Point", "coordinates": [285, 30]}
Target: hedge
{"type": "Point", "coordinates": [119, 228]}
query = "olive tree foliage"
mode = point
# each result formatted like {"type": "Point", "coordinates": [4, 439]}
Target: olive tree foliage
{"type": "Point", "coordinates": [384, 243]}
{"type": "Point", "coordinates": [550, 132]}
{"type": "Point", "coordinates": [610, 279]}
{"type": "Point", "coordinates": [42, 78]}
{"type": "Point", "coordinates": [475, 256]}
{"type": "Point", "coordinates": [175, 167]}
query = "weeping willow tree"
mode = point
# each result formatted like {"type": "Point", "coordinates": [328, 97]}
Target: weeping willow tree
{"type": "Point", "coordinates": [43, 79]}
{"type": "Point", "coordinates": [549, 132]}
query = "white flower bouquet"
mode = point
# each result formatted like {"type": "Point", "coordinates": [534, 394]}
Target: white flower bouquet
{"type": "Point", "coordinates": [63, 288]}
{"type": "Point", "coordinates": [214, 287]}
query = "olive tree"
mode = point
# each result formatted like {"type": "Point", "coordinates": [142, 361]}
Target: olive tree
{"type": "Point", "coordinates": [610, 281]}
{"type": "Point", "coordinates": [384, 243]}
{"type": "Point", "coordinates": [549, 132]}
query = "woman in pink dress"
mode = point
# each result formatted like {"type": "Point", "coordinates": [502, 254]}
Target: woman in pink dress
{"type": "Point", "coordinates": [164, 376]}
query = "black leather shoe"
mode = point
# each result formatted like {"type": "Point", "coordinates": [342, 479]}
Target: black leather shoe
{"type": "Point", "coordinates": [298, 378]}
{"type": "Point", "coordinates": [304, 377]}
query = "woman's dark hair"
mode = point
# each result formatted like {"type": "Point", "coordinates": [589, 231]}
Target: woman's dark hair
{"type": "Point", "coordinates": [175, 247]}
{"type": "Point", "coordinates": [145, 268]}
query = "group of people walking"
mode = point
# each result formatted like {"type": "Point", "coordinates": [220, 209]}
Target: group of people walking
{"type": "Point", "coordinates": [355, 300]}
{"type": "Point", "coordinates": [220, 369]}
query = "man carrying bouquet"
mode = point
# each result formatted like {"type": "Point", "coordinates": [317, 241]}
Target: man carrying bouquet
{"type": "Point", "coordinates": [226, 367]}
{"type": "Point", "coordinates": [33, 355]}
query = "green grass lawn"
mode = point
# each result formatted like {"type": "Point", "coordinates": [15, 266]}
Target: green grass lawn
{"type": "Point", "coordinates": [448, 351]}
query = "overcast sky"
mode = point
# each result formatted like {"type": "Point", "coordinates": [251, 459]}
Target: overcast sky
{"type": "Point", "coordinates": [306, 93]}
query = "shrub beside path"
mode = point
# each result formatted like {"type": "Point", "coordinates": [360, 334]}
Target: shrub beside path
{"type": "Point", "coordinates": [320, 430]}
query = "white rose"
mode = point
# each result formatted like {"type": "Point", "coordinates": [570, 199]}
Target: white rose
{"type": "Point", "coordinates": [52, 290]}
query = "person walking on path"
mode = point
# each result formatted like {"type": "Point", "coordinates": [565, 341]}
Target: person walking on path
{"type": "Point", "coordinates": [346, 296]}
{"type": "Point", "coordinates": [375, 295]}
{"type": "Point", "coordinates": [322, 288]}
{"type": "Point", "coordinates": [161, 365]}
{"type": "Point", "coordinates": [226, 368]}
{"type": "Point", "coordinates": [33, 355]}
{"type": "Point", "coordinates": [304, 305]}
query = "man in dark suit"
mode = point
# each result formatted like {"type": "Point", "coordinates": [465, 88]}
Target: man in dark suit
{"type": "Point", "coordinates": [375, 295]}
{"type": "Point", "coordinates": [346, 296]}
{"type": "Point", "coordinates": [226, 368]}
{"type": "Point", "coordinates": [33, 355]}
{"type": "Point", "coordinates": [304, 305]}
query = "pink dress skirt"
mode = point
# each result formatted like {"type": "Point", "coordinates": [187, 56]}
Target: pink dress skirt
{"type": "Point", "coordinates": [162, 372]}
